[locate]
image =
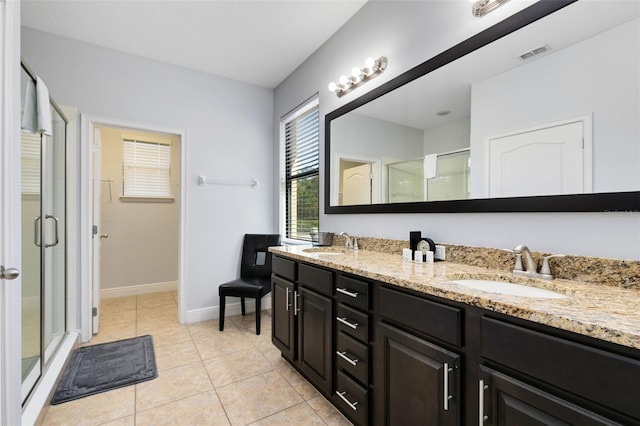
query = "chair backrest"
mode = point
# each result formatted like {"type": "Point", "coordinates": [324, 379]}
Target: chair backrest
{"type": "Point", "coordinates": [256, 259]}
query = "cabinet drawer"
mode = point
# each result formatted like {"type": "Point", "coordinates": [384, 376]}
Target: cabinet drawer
{"type": "Point", "coordinates": [284, 267]}
{"type": "Point", "coordinates": [315, 278]}
{"type": "Point", "coordinates": [352, 399]}
{"type": "Point", "coordinates": [434, 319]}
{"type": "Point", "coordinates": [607, 379]}
{"type": "Point", "coordinates": [352, 292]}
{"type": "Point", "coordinates": [352, 322]}
{"type": "Point", "coordinates": [352, 357]}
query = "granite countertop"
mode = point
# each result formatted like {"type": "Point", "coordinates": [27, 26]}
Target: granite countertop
{"type": "Point", "coordinates": [600, 311]}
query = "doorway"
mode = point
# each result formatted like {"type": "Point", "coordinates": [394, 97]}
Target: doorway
{"type": "Point", "coordinates": [136, 239]}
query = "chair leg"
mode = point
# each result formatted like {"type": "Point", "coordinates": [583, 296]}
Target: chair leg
{"type": "Point", "coordinates": [258, 313]}
{"type": "Point", "coordinates": [242, 305]}
{"type": "Point", "coordinates": [222, 305]}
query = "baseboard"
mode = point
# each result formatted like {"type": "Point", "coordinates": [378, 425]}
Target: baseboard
{"type": "Point", "coordinates": [233, 308]}
{"type": "Point", "coordinates": [133, 290]}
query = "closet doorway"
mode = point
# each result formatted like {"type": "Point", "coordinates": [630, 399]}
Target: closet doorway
{"type": "Point", "coordinates": [136, 204]}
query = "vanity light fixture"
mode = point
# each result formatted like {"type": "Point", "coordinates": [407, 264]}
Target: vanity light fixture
{"type": "Point", "coordinates": [372, 68]}
{"type": "Point", "coordinates": [482, 7]}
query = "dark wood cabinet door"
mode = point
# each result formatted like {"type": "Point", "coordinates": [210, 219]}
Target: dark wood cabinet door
{"type": "Point", "coordinates": [283, 319]}
{"type": "Point", "coordinates": [314, 337]}
{"type": "Point", "coordinates": [510, 402]}
{"type": "Point", "coordinates": [419, 381]}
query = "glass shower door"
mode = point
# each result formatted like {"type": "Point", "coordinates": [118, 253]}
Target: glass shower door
{"type": "Point", "coordinates": [44, 241]}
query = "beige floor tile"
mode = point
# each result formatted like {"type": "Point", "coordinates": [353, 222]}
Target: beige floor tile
{"type": "Point", "coordinates": [149, 325]}
{"type": "Point", "coordinates": [299, 383]}
{"type": "Point", "coordinates": [172, 385]}
{"type": "Point", "coordinates": [157, 311]}
{"type": "Point", "coordinates": [155, 299]}
{"type": "Point", "coordinates": [170, 335]}
{"type": "Point", "coordinates": [218, 343]}
{"type": "Point", "coordinates": [124, 421]}
{"type": "Point", "coordinates": [117, 304]}
{"type": "Point", "coordinates": [113, 332]}
{"type": "Point", "coordinates": [271, 353]}
{"type": "Point", "coordinates": [201, 409]}
{"type": "Point", "coordinates": [328, 412]}
{"type": "Point", "coordinates": [93, 410]}
{"type": "Point", "coordinates": [118, 318]}
{"type": "Point", "coordinates": [301, 414]}
{"type": "Point", "coordinates": [171, 356]}
{"type": "Point", "coordinates": [257, 397]}
{"type": "Point", "coordinates": [227, 369]}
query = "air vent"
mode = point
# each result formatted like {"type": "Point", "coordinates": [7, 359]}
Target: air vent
{"type": "Point", "coordinates": [535, 52]}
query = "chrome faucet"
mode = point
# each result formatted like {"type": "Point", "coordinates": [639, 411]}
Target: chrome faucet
{"type": "Point", "coordinates": [353, 245]}
{"type": "Point", "coordinates": [530, 265]}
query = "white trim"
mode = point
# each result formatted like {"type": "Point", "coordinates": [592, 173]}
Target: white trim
{"type": "Point", "coordinates": [88, 123]}
{"type": "Point", "coordinates": [10, 243]}
{"type": "Point", "coordinates": [46, 386]}
{"type": "Point", "coordinates": [133, 290]}
{"type": "Point", "coordinates": [232, 309]}
{"type": "Point", "coordinates": [376, 171]}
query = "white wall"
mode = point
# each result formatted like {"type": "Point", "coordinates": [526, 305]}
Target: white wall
{"type": "Point", "coordinates": [408, 33]}
{"type": "Point", "coordinates": [447, 137]}
{"type": "Point", "coordinates": [589, 77]}
{"type": "Point", "coordinates": [229, 131]}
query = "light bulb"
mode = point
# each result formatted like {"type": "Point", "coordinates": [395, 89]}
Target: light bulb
{"type": "Point", "coordinates": [344, 79]}
{"type": "Point", "coordinates": [356, 72]}
{"type": "Point", "coordinates": [369, 63]}
{"type": "Point", "coordinates": [333, 87]}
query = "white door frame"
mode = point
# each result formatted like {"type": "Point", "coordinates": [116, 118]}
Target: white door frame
{"type": "Point", "coordinates": [10, 220]}
{"type": "Point", "coordinates": [87, 125]}
{"type": "Point", "coordinates": [376, 183]}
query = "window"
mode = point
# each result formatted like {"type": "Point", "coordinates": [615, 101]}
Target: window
{"type": "Point", "coordinates": [30, 147]}
{"type": "Point", "coordinates": [300, 135]}
{"type": "Point", "coordinates": [146, 169]}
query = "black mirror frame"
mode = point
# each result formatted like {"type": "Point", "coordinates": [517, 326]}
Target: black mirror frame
{"type": "Point", "coordinates": [599, 202]}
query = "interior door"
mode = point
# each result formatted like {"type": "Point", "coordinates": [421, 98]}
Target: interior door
{"type": "Point", "coordinates": [548, 161]}
{"type": "Point", "coordinates": [356, 185]}
{"type": "Point", "coordinates": [96, 235]}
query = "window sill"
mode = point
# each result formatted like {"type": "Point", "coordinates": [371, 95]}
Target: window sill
{"type": "Point", "coordinates": [147, 199]}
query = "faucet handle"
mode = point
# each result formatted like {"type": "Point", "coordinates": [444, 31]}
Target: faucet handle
{"type": "Point", "coordinates": [518, 266]}
{"type": "Point", "coordinates": [546, 269]}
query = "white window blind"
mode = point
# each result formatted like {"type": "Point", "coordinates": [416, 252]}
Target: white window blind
{"type": "Point", "coordinates": [30, 147]}
{"type": "Point", "coordinates": [302, 148]}
{"type": "Point", "coordinates": [146, 169]}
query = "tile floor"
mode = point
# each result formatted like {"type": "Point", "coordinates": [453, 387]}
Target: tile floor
{"type": "Point", "coordinates": [205, 377]}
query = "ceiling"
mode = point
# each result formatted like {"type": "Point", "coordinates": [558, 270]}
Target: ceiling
{"type": "Point", "coordinates": [258, 42]}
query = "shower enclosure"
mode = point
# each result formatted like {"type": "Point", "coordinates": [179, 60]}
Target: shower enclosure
{"type": "Point", "coordinates": [44, 244]}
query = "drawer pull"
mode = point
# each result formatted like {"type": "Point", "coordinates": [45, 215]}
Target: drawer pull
{"type": "Point", "coordinates": [347, 292]}
{"type": "Point", "coordinates": [344, 356]}
{"type": "Point", "coordinates": [447, 397]}
{"type": "Point", "coordinates": [349, 403]}
{"type": "Point", "coordinates": [481, 416]}
{"type": "Point", "coordinates": [344, 321]}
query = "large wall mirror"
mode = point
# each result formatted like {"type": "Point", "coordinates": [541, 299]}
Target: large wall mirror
{"type": "Point", "coordinates": [540, 112]}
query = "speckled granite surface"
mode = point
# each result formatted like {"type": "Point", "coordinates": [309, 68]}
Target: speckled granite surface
{"type": "Point", "coordinates": [611, 272]}
{"type": "Point", "coordinates": [605, 312]}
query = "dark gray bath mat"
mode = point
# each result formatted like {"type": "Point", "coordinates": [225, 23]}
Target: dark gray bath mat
{"type": "Point", "coordinates": [99, 368]}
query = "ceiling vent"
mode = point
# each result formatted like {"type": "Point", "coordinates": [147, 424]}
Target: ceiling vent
{"type": "Point", "coordinates": [535, 52]}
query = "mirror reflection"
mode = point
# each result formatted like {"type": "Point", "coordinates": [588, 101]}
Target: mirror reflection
{"type": "Point", "coordinates": [542, 111]}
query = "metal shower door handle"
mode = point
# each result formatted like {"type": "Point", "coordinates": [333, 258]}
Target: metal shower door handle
{"type": "Point", "coordinates": [56, 234]}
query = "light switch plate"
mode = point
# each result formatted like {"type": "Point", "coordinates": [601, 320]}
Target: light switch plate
{"type": "Point", "coordinates": [440, 253]}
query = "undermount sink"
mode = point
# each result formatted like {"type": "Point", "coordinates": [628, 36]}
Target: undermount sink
{"type": "Point", "coordinates": [512, 289]}
{"type": "Point", "coordinates": [326, 250]}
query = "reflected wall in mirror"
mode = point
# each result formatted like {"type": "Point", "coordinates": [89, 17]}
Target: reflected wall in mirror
{"type": "Point", "coordinates": [542, 111]}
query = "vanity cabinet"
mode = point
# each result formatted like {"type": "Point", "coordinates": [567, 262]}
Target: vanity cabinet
{"type": "Point", "coordinates": [353, 360]}
{"type": "Point", "coordinates": [388, 355]}
{"type": "Point", "coordinates": [417, 380]}
{"type": "Point", "coordinates": [578, 379]}
{"type": "Point", "coordinates": [302, 318]}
